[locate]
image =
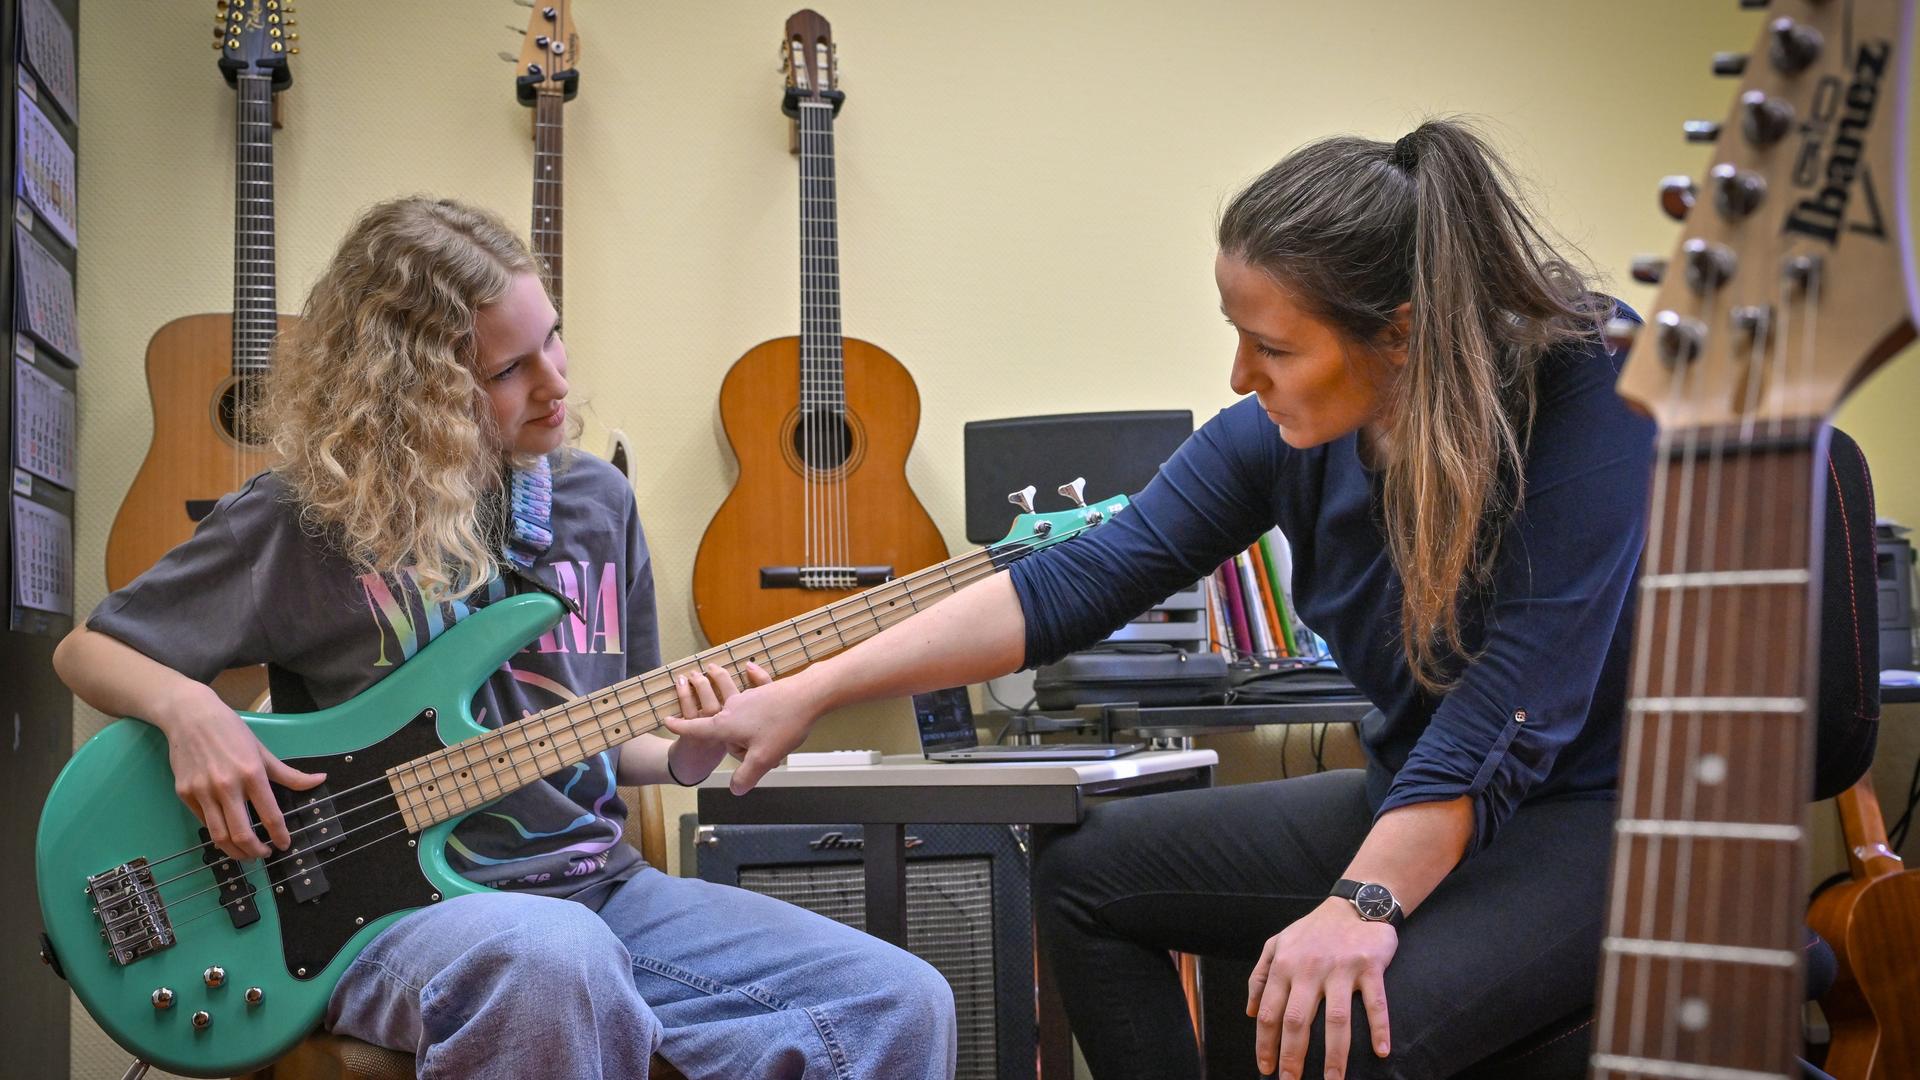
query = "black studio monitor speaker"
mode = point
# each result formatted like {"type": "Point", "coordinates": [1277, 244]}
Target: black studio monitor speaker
{"type": "Point", "coordinates": [969, 913]}
{"type": "Point", "coordinates": [1118, 452]}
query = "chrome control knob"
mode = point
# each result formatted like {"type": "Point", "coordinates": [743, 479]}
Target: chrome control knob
{"type": "Point", "coordinates": [163, 998]}
{"type": "Point", "coordinates": [215, 976]}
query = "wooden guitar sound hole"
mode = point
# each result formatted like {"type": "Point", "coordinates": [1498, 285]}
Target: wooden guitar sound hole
{"type": "Point", "coordinates": [233, 411]}
{"type": "Point", "coordinates": [822, 441]}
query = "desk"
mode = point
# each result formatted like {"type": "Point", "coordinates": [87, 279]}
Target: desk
{"type": "Point", "coordinates": [907, 788]}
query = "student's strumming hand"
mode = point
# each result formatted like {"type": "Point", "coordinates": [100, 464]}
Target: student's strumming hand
{"type": "Point", "coordinates": [761, 725]}
{"type": "Point", "coordinates": [1329, 954]}
{"type": "Point", "coordinates": [693, 757]}
{"type": "Point", "coordinates": [219, 766]}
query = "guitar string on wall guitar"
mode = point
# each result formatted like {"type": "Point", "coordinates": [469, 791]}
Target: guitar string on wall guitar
{"type": "Point", "coordinates": [1792, 282]}
{"type": "Point", "coordinates": [821, 423]}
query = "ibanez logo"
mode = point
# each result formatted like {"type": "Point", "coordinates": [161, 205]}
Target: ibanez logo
{"type": "Point", "coordinates": [1823, 214]}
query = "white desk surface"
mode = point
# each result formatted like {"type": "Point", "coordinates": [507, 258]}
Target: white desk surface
{"type": "Point", "coordinates": [913, 770]}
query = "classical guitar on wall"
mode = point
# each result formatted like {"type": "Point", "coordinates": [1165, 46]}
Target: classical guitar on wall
{"type": "Point", "coordinates": [1793, 281]}
{"type": "Point", "coordinates": [821, 423]}
{"type": "Point", "coordinates": [202, 370]}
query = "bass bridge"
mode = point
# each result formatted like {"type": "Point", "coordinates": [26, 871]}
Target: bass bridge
{"type": "Point", "coordinates": [133, 917]}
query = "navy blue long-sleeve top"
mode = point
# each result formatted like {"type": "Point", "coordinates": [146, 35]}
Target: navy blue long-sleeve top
{"type": "Point", "coordinates": [1537, 714]}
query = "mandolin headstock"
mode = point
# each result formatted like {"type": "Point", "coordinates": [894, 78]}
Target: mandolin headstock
{"type": "Point", "coordinates": [1793, 279]}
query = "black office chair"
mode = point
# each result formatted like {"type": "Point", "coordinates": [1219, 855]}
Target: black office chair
{"type": "Point", "coordinates": [1847, 729]}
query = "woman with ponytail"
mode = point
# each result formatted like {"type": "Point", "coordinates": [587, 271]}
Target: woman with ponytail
{"type": "Point", "coordinates": [1427, 411]}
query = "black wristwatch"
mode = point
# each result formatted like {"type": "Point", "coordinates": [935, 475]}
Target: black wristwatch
{"type": "Point", "coordinates": [1375, 903]}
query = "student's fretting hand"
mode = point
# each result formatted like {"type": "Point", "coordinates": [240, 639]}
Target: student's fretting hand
{"type": "Point", "coordinates": [703, 694]}
{"type": "Point", "coordinates": [1329, 954]}
{"type": "Point", "coordinates": [219, 766]}
{"type": "Point", "coordinates": [760, 725]}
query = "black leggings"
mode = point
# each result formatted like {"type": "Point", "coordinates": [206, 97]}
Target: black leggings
{"type": "Point", "coordinates": [1507, 945]}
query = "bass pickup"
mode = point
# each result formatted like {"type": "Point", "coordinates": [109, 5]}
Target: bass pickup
{"type": "Point", "coordinates": [313, 824]}
{"type": "Point", "coordinates": [824, 577]}
{"type": "Point", "coordinates": [236, 892]}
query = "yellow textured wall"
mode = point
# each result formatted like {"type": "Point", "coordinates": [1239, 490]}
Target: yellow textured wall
{"type": "Point", "coordinates": [1026, 196]}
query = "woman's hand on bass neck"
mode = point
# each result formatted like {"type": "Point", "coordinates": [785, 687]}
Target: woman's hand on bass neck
{"type": "Point", "coordinates": [219, 766]}
{"type": "Point", "coordinates": [693, 757]}
{"type": "Point", "coordinates": [761, 726]}
{"type": "Point", "coordinates": [1329, 954]}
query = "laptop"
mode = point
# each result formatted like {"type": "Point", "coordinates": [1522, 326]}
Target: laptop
{"type": "Point", "coordinates": [945, 721]}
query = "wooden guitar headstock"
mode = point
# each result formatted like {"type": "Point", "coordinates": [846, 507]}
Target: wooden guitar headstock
{"type": "Point", "coordinates": [1794, 275]}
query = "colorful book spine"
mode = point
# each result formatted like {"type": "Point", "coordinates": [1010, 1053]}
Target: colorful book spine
{"type": "Point", "coordinates": [1262, 577]}
{"type": "Point", "coordinates": [1277, 589]}
{"type": "Point", "coordinates": [1256, 615]}
{"type": "Point", "coordinates": [1236, 609]}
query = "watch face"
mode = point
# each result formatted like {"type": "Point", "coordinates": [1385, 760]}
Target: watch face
{"type": "Point", "coordinates": [1374, 901]}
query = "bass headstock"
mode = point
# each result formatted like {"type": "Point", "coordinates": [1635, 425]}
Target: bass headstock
{"type": "Point", "coordinates": [1793, 278]}
{"type": "Point", "coordinates": [811, 62]}
{"type": "Point", "coordinates": [255, 37]}
{"type": "Point", "coordinates": [550, 53]}
{"type": "Point", "coordinates": [1032, 531]}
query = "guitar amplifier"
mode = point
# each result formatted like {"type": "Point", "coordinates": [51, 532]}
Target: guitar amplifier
{"type": "Point", "coordinates": [969, 913]}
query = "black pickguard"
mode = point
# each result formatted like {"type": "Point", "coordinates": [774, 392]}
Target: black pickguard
{"type": "Point", "coordinates": [359, 885]}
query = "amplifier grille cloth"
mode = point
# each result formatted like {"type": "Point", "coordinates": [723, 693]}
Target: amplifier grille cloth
{"type": "Point", "coordinates": [949, 925]}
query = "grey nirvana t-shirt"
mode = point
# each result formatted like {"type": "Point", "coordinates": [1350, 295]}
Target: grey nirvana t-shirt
{"type": "Point", "coordinates": [251, 586]}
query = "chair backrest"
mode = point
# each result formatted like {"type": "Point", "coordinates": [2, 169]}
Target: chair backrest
{"type": "Point", "coordinates": [1848, 722]}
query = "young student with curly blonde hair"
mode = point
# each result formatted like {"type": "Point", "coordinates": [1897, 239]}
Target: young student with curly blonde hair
{"type": "Point", "coordinates": [419, 419]}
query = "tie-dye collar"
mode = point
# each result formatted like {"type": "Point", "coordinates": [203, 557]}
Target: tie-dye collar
{"type": "Point", "coordinates": [529, 514]}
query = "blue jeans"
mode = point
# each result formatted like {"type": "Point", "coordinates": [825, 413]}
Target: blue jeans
{"type": "Point", "coordinates": [720, 981]}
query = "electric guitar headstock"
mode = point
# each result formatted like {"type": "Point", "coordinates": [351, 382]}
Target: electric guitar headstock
{"type": "Point", "coordinates": [255, 37]}
{"type": "Point", "coordinates": [549, 57]}
{"type": "Point", "coordinates": [811, 62]}
{"type": "Point", "coordinates": [1793, 279]}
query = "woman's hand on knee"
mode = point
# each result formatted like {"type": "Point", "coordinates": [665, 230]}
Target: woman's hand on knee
{"type": "Point", "coordinates": [1326, 956]}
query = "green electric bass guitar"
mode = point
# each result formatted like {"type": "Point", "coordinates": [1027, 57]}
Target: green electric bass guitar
{"type": "Point", "coordinates": [209, 967]}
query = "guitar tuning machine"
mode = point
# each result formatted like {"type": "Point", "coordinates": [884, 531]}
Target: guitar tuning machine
{"type": "Point", "coordinates": [1023, 498]}
{"type": "Point", "coordinates": [1075, 491]}
{"type": "Point", "coordinates": [1677, 196]}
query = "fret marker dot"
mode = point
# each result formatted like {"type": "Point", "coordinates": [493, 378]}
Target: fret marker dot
{"type": "Point", "coordinates": [1693, 1014]}
{"type": "Point", "coordinates": [1711, 769]}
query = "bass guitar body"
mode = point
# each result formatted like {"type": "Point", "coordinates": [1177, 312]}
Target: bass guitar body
{"type": "Point", "coordinates": [198, 453]}
{"type": "Point", "coordinates": [119, 856]}
{"type": "Point", "coordinates": [816, 488]}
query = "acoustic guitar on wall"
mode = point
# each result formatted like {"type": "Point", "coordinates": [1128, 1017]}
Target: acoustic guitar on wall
{"type": "Point", "coordinates": [821, 423]}
{"type": "Point", "coordinates": [1793, 281]}
{"type": "Point", "coordinates": [203, 370]}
